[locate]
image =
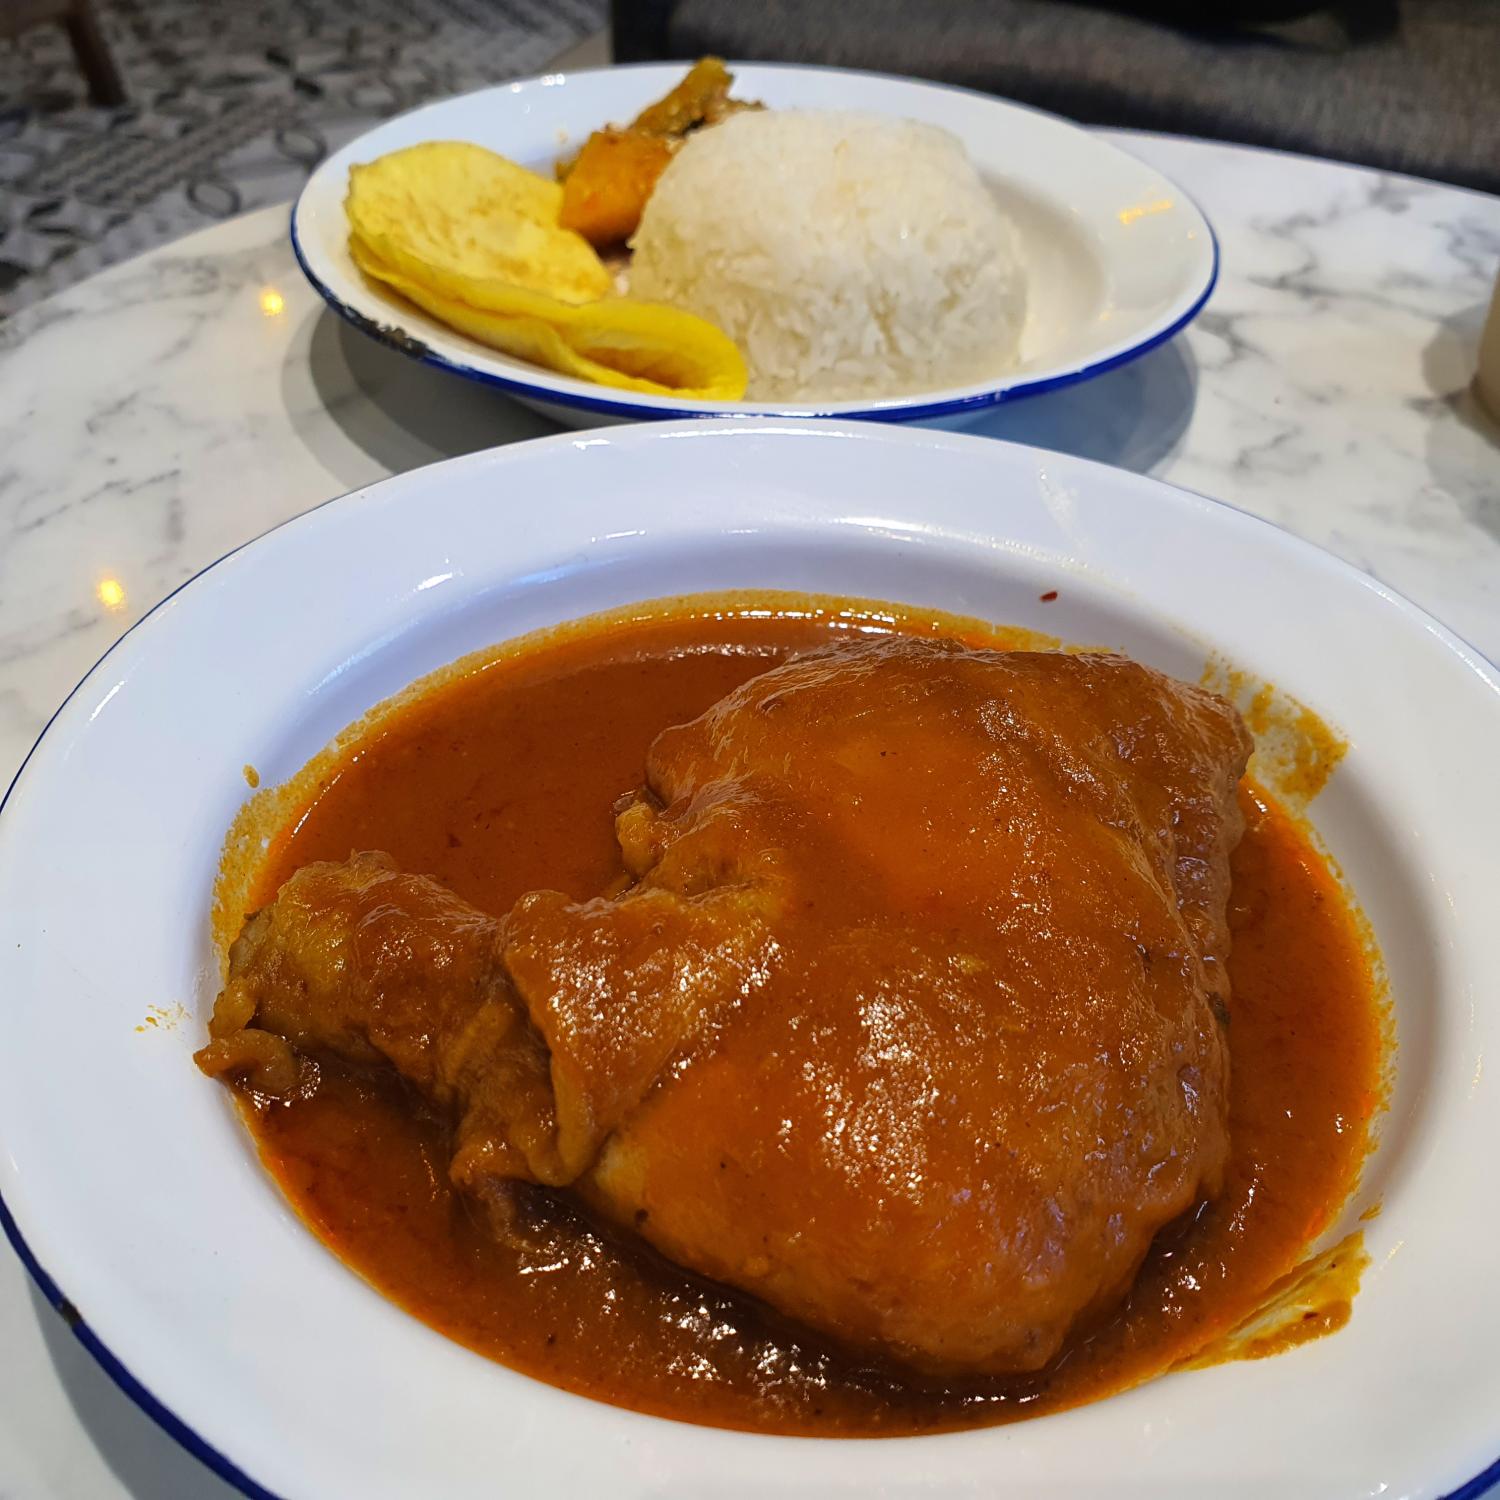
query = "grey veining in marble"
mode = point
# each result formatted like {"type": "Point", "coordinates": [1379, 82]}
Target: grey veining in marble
{"type": "Point", "coordinates": [160, 415]}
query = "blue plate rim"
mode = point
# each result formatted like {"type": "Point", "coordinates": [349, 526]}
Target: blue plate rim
{"type": "Point", "coordinates": [118, 1371]}
{"type": "Point", "coordinates": [113, 1366]}
{"type": "Point", "coordinates": [606, 406]}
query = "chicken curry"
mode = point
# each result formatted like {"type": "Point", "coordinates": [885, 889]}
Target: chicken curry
{"type": "Point", "coordinates": [813, 1020]}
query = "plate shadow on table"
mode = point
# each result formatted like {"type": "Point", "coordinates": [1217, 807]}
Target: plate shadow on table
{"type": "Point", "coordinates": [359, 405]}
{"type": "Point", "coordinates": [343, 390]}
{"type": "Point", "coordinates": [148, 1464]}
{"type": "Point", "coordinates": [1133, 417]}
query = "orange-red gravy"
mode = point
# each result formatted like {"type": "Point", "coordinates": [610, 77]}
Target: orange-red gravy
{"type": "Point", "coordinates": [501, 782]}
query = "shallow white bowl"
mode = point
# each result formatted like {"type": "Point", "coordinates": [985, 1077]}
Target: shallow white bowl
{"type": "Point", "coordinates": [135, 1196]}
{"type": "Point", "coordinates": [1118, 256]}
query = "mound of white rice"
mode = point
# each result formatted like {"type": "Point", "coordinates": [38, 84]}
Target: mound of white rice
{"type": "Point", "coordinates": [847, 255]}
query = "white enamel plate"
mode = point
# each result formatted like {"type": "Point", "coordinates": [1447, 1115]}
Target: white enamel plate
{"type": "Point", "coordinates": [1118, 257]}
{"type": "Point", "coordinates": [134, 1194]}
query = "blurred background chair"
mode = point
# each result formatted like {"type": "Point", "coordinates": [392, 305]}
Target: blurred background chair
{"type": "Point", "coordinates": [1407, 85]}
{"type": "Point", "coordinates": [77, 18]}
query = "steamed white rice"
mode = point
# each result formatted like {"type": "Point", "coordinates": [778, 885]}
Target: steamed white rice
{"type": "Point", "coordinates": [848, 255]}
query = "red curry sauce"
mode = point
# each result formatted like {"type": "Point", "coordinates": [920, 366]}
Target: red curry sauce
{"type": "Point", "coordinates": [501, 781]}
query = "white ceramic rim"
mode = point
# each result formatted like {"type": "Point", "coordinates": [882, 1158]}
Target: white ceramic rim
{"type": "Point", "coordinates": [1438, 1275]}
{"type": "Point", "coordinates": [366, 311]}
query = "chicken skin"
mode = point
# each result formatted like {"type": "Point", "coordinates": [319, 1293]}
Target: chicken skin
{"type": "Point", "coordinates": [911, 1020]}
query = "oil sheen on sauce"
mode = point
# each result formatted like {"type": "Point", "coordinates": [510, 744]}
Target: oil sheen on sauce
{"type": "Point", "coordinates": [499, 780]}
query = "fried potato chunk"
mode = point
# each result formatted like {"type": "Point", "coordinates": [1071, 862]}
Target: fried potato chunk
{"type": "Point", "coordinates": [607, 188]}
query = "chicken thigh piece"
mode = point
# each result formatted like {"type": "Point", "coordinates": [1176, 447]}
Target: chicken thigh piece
{"type": "Point", "coordinates": [912, 1023]}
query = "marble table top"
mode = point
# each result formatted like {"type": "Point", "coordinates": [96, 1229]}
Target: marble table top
{"type": "Point", "coordinates": [160, 414]}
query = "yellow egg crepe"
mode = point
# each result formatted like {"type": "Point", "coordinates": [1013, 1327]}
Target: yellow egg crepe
{"type": "Point", "coordinates": [632, 346]}
{"type": "Point", "coordinates": [473, 239]}
{"type": "Point", "coordinates": [458, 218]}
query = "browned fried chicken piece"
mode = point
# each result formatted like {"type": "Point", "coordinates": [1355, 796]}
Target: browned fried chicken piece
{"type": "Point", "coordinates": [911, 1023]}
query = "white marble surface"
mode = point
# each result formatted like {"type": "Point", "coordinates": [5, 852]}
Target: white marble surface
{"type": "Point", "coordinates": [165, 412]}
